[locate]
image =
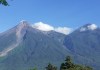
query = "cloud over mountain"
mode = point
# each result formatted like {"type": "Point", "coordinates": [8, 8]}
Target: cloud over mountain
{"type": "Point", "coordinates": [42, 26]}
{"type": "Point", "coordinates": [92, 27]}
{"type": "Point", "coordinates": [46, 27]}
{"type": "Point", "coordinates": [89, 27]}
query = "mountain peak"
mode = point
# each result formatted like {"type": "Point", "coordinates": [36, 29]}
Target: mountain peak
{"type": "Point", "coordinates": [23, 22]}
{"type": "Point", "coordinates": [88, 27]}
{"type": "Point", "coordinates": [21, 29]}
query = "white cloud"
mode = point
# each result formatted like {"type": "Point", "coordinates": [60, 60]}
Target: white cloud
{"type": "Point", "coordinates": [46, 27]}
{"type": "Point", "coordinates": [64, 30]}
{"type": "Point", "coordinates": [42, 26]}
{"type": "Point", "coordinates": [92, 27]}
{"type": "Point", "coordinates": [89, 27]}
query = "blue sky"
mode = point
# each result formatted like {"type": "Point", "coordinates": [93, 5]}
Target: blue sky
{"type": "Point", "coordinates": [69, 13]}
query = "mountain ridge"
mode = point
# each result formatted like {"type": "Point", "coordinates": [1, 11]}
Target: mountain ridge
{"type": "Point", "coordinates": [31, 46]}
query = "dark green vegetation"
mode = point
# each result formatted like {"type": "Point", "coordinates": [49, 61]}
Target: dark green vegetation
{"type": "Point", "coordinates": [51, 67]}
{"type": "Point", "coordinates": [67, 65]}
{"type": "Point", "coordinates": [4, 2]}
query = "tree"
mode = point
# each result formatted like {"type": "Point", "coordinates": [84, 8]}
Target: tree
{"type": "Point", "coordinates": [4, 2]}
{"type": "Point", "coordinates": [51, 67]}
{"type": "Point", "coordinates": [69, 65]}
{"type": "Point", "coordinates": [68, 62]}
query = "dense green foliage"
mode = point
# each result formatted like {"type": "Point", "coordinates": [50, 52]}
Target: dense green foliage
{"type": "Point", "coordinates": [69, 65]}
{"type": "Point", "coordinates": [4, 2]}
{"type": "Point", "coordinates": [51, 67]}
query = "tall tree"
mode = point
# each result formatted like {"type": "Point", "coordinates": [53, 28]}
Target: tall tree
{"type": "Point", "coordinates": [51, 67]}
{"type": "Point", "coordinates": [69, 65]}
{"type": "Point", "coordinates": [68, 62]}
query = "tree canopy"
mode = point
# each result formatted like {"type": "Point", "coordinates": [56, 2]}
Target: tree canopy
{"type": "Point", "coordinates": [51, 67]}
{"type": "Point", "coordinates": [69, 65]}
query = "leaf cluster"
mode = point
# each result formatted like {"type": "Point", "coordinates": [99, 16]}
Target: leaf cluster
{"type": "Point", "coordinates": [4, 2]}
